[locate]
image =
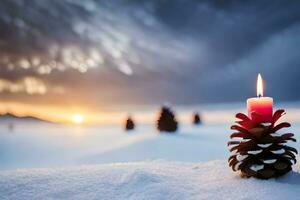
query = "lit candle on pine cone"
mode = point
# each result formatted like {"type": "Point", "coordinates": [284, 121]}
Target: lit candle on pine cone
{"type": "Point", "coordinates": [257, 147]}
{"type": "Point", "coordinates": [260, 109]}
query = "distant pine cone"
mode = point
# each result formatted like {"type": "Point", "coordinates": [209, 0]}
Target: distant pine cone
{"type": "Point", "coordinates": [167, 121]}
{"type": "Point", "coordinates": [261, 152]}
{"type": "Point", "coordinates": [129, 125]}
{"type": "Point", "coordinates": [197, 119]}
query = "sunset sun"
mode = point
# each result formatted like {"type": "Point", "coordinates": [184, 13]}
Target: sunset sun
{"type": "Point", "coordinates": [77, 119]}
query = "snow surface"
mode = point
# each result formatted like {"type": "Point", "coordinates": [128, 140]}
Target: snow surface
{"type": "Point", "coordinates": [157, 180]}
{"type": "Point", "coordinates": [104, 162]}
{"type": "Point", "coordinates": [54, 146]}
{"type": "Point", "coordinates": [33, 146]}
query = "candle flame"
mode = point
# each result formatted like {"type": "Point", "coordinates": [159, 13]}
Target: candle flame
{"type": "Point", "coordinates": [259, 86]}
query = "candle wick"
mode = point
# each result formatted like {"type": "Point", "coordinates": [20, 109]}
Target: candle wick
{"type": "Point", "coordinates": [259, 95]}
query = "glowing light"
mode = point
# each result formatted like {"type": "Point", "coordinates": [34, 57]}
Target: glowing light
{"type": "Point", "coordinates": [259, 86]}
{"type": "Point", "coordinates": [77, 119]}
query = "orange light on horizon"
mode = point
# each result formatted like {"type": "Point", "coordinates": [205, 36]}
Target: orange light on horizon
{"type": "Point", "coordinates": [259, 86]}
{"type": "Point", "coordinates": [77, 119]}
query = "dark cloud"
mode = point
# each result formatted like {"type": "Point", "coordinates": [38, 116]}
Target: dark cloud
{"type": "Point", "coordinates": [126, 52]}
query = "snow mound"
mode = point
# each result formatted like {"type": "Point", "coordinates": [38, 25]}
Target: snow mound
{"type": "Point", "coordinates": [144, 180]}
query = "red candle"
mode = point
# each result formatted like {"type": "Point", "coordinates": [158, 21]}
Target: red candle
{"type": "Point", "coordinates": [260, 109]}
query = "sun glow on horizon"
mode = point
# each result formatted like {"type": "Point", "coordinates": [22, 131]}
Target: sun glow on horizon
{"type": "Point", "coordinates": [65, 115]}
{"type": "Point", "coordinates": [77, 119]}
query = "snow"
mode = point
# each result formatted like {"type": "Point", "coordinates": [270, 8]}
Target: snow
{"type": "Point", "coordinates": [149, 180]}
{"type": "Point", "coordinates": [32, 146]}
{"type": "Point", "coordinates": [103, 162]}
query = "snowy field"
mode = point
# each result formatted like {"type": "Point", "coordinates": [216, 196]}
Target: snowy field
{"type": "Point", "coordinates": [44, 161]}
{"type": "Point", "coordinates": [31, 146]}
{"type": "Point", "coordinates": [152, 180]}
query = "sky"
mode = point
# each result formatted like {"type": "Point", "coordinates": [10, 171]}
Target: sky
{"type": "Point", "coordinates": [96, 55]}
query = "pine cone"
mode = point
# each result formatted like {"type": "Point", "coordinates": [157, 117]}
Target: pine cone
{"type": "Point", "coordinates": [129, 125]}
{"type": "Point", "coordinates": [197, 119]}
{"type": "Point", "coordinates": [167, 121]}
{"type": "Point", "coordinates": [261, 152]}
